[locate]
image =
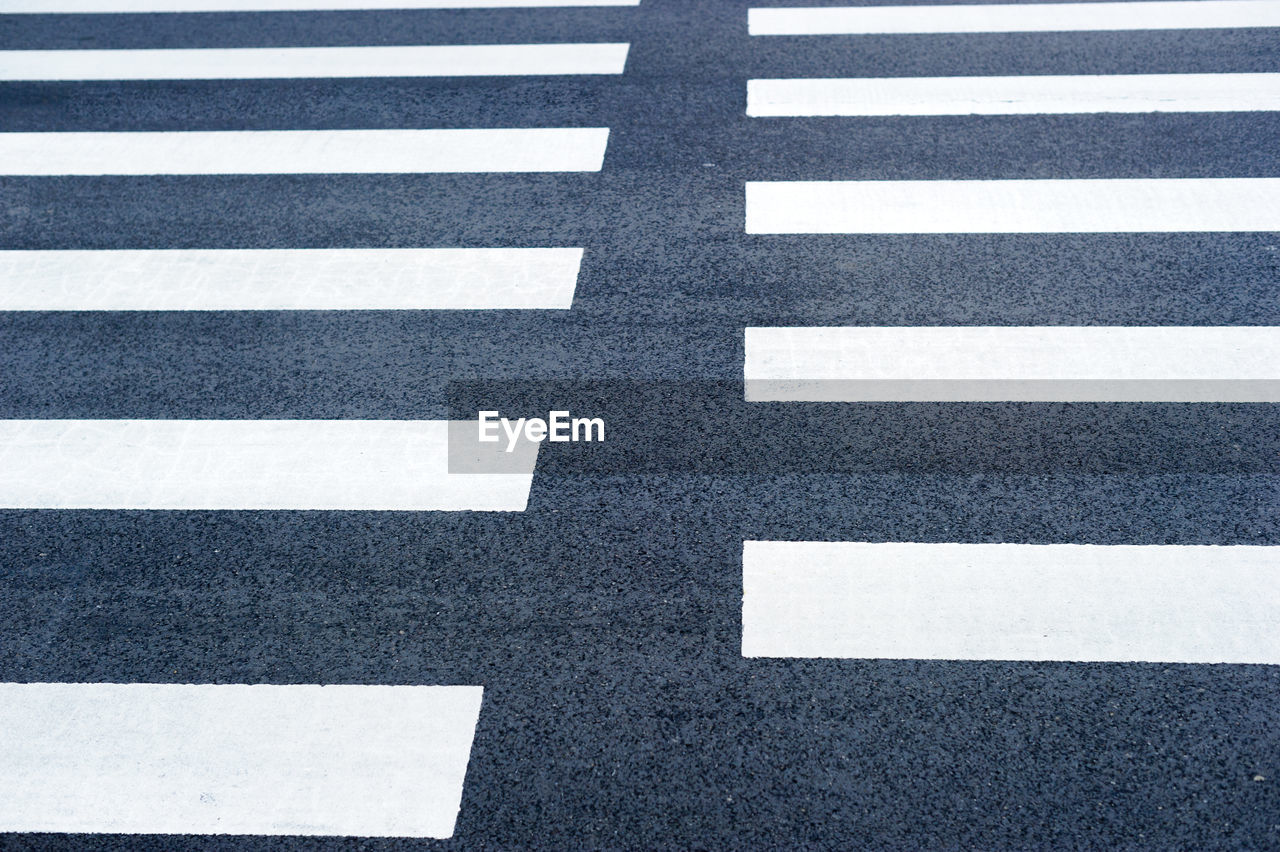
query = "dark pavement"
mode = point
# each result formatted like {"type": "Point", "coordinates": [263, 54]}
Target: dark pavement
{"type": "Point", "coordinates": [604, 622]}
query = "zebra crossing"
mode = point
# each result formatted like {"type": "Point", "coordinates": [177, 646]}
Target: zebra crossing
{"type": "Point", "coordinates": [937, 350]}
{"type": "Point", "coordinates": [1031, 95]}
{"type": "Point", "coordinates": [1013, 206]}
{"type": "Point", "coordinates": [254, 464]}
{"type": "Point", "coordinates": [289, 279]}
{"type": "Point", "coordinates": [958, 601]}
{"type": "Point", "coordinates": [1082, 603]}
{"type": "Point", "coordinates": [81, 7]}
{"type": "Point", "coordinates": [299, 759]}
{"type": "Point", "coordinates": [371, 761]}
{"type": "Point", "coordinates": [205, 152]}
{"type": "Point", "coordinates": [265, 63]}
{"type": "Point", "coordinates": [1014, 17]}
{"type": "Point", "coordinates": [1014, 364]}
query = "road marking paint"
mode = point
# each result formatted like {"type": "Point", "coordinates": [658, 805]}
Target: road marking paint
{"type": "Point", "coordinates": [1014, 364]}
{"type": "Point", "coordinates": [393, 465]}
{"type": "Point", "coordinates": [366, 761]}
{"type": "Point", "coordinates": [1012, 206]}
{"type": "Point", "coordinates": [303, 151]}
{"type": "Point", "coordinates": [1025, 95]}
{"type": "Point", "coordinates": [1073, 603]}
{"type": "Point", "coordinates": [296, 62]}
{"type": "Point", "coordinates": [288, 279]}
{"type": "Point", "coordinates": [40, 7]}
{"type": "Point", "coordinates": [1015, 17]}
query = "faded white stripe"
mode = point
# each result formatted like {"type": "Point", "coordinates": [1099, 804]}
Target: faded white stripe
{"type": "Point", "coordinates": [303, 151]}
{"type": "Point", "coordinates": [292, 62]}
{"type": "Point", "coordinates": [401, 465]}
{"type": "Point", "coordinates": [1014, 363]}
{"type": "Point", "coordinates": [1077, 603]}
{"type": "Point", "coordinates": [1012, 206]}
{"type": "Point", "coordinates": [1015, 17]}
{"type": "Point", "coordinates": [288, 279]}
{"type": "Point", "coordinates": [105, 6]}
{"type": "Point", "coordinates": [366, 761]}
{"type": "Point", "coordinates": [1014, 95]}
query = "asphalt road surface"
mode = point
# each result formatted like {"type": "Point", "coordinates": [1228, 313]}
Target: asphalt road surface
{"type": "Point", "coordinates": [605, 620]}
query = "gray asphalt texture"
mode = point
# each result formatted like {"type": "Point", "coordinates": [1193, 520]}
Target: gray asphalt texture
{"type": "Point", "coordinates": [604, 622]}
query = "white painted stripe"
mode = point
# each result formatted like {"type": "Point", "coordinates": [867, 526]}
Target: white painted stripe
{"type": "Point", "coordinates": [401, 465]}
{"type": "Point", "coordinates": [303, 151]}
{"type": "Point", "coordinates": [288, 279]}
{"type": "Point", "coordinates": [1013, 206]}
{"type": "Point", "coordinates": [106, 6]}
{"type": "Point", "coordinates": [1075, 603]}
{"type": "Point", "coordinates": [285, 62]}
{"type": "Point", "coordinates": [1037, 363]}
{"type": "Point", "coordinates": [1014, 95]}
{"type": "Point", "coordinates": [366, 761]}
{"type": "Point", "coordinates": [1015, 17]}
